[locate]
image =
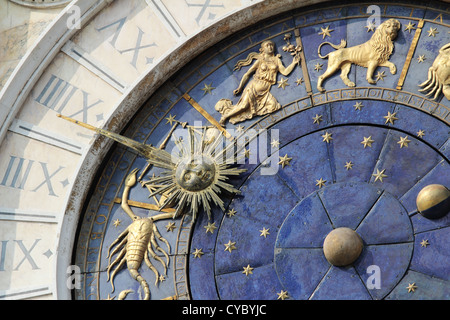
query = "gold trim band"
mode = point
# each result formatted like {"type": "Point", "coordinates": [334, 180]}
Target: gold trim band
{"type": "Point", "coordinates": [410, 54]}
{"type": "Point", "coordinates": [208, 117]}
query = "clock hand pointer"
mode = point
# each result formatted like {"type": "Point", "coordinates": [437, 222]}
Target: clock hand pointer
{"type": "Point", "coordinates": [162, 146]}
{"type": "Point", "coordinates": [157, 157]}
{"type": "Point", "coordinates": [208, 117]}
{"type": "Point", "coordinates": [183, 185]}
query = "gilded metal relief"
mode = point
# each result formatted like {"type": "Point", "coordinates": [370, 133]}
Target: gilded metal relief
{"type": "Point", "coordinates": [136, 243]}
{"type": "Point", "coordinates": [371, 54]}
{"type": "Point", "coordinates": [439, 75]}
{"type": "Point", "coordinates": [256, 98]}
{"type": "Point", "coordinates": [194, 176]}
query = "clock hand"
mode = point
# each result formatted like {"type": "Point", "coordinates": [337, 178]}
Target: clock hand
{"type": "Point", "coordinates": [162, 146]}
{"type": "Point", "coordinates": [143, 205]}
{"type": "Point", "coordinates": [181, 181]}
{"type": "Point", "coordinates": [208, 117]}
{"type": "Point", "coordinates": [155, 156]}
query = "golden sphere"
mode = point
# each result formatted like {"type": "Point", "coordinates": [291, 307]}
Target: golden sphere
{"type": "Point", "coordinates": [433, 201]}
{"type": "Point", "coordinates": [342, 247]}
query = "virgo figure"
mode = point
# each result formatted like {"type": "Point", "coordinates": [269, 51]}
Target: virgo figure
{"type": "Point", "coordinates": [256, 98]}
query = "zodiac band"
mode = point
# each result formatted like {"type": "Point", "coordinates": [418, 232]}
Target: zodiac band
{"type": "Point", "coordinates": [257, 100]}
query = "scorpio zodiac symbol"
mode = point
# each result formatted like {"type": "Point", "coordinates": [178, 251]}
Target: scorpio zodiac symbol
{"type": "Point", "coordinates": [136, 243]}
{"type": "Point", "coordinates": [190, 181]}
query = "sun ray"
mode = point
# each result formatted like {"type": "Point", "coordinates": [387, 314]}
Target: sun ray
{"type": "Point", "coordinates": [181, 205]}
{"type": "Point", "coordinates": [193, 179]}
{"type": "Point", "coordinates": [211, 148]}
{"type": "Point", "coordinates": [157, 180]}
{"type": "Point", "coordinates": [174, 195]}
{"type": "Point", "coordinates": [161, 190]}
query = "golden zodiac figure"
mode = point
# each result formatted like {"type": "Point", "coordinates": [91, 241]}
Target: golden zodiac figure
{"type": "Point", "coordinates": [192, 179]}
{"type": "Point", "coordinates": [256, 98]}
{"type": "Point", "coordinates": [136, 243]}
{"type": "Point", "coordinates": [371, 54]}
{"type": "Point", "coordinates": [196, 176]}
{"type": "Point", "coordinates": [439, 75]}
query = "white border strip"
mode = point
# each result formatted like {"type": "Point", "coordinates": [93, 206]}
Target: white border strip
{"type": "Point", "coordinates": [27, 215]}
{"type": "Point", "coordinates": [29, 130]}
{"type": "Point", "coordinates": [97, 68]}
{"type": "Point", "coordinates": [25, 293]}
{"type": "Point", "coordinates": [166, 18]}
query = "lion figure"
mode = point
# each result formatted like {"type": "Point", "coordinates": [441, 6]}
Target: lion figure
{"type": "Point", "coordinates": [371, 54]}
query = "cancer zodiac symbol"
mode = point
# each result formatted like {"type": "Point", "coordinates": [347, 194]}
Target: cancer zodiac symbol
{"type": "Point", "coordinates": [439, 75]}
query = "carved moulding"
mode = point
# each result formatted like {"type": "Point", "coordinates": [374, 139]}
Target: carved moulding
{"type": "Point", "coordinates": [42, 4]}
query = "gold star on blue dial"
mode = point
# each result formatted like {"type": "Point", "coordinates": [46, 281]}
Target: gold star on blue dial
{"type": "Point", "coordinates": [207, 89]}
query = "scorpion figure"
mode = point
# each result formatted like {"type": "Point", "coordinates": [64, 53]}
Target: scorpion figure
{"type": "Point", "coordinates": [136, 243]}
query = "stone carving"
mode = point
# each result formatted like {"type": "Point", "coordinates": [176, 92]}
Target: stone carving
{"type": "Point", "coordinates": [439, 75]}
{"type": "Point", "coordinates": [42, 4]}
{"type": "Point", "coordinates": [371, 54]}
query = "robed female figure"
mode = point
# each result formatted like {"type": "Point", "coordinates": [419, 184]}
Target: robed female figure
{"type": "Point", "coordinates": [256, 98]}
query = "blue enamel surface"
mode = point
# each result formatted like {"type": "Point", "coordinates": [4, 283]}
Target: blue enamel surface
{"type": "Point", "coordinates": [306, 226]}
{"type": "Point", "coordinates": [298, 278]}
{"type": "Point", "coordinates": [398, 163]}
{"type": "Point", "coordinates": [263, 284]}
{"type": "Point", "coordinates": [341, 284]}
{"type": "Point", "coordinates": [392, 261]}
{"type": "Point", "coordinates": [432, 259]}
{"type": "Point", "coordinates": [386, 222]}
{"type": "Point", "coordinates": [251, 247]}
{"type": "Point", "coordinates": [420, 223]}
{"type": "Point", "coordinates": [201, 271]}
{"type": "Point", "coordinates": [302, 125]}
{"type": "Point", "coordinates": [371, 111]}
{"type": "Point", "coordinates": [428, 288]}
{"type": "Point", "coordinates": [436, 134]}
{"type": "Point", "coordinates": [445, 149]}
{"type": "Point", "coordinates": [306, 153]}
{"type": "Point", "coordinates": [262, 199]}
{"type": "Point", "coordinates": [346, 147]}
{"type": "Point", "coordinates": [348, 203]}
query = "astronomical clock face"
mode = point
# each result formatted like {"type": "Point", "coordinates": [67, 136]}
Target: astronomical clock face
{"type": "Point", "coordinates": [328, 144]}
{"type": "Point", "coordinates": [285, 162]}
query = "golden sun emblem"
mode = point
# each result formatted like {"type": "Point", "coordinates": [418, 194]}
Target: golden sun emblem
{"type": "Point", "coordinates": [194, 175]}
